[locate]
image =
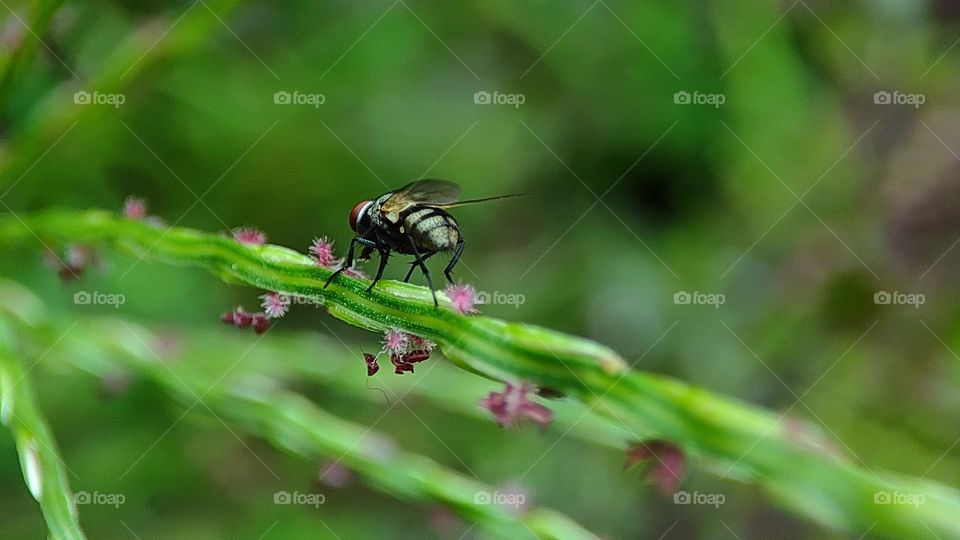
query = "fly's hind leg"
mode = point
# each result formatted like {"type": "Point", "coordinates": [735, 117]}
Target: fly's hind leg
{"type": "Point", "coordinates": [413, 266]}
{"type": "Point", "coordinates": [423, 268]}
{"type": "Point", "coordinates": [457, 252]}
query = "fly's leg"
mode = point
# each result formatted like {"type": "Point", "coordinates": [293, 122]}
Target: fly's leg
{"type": "Point", "coordinates": [457, 252]}
{"type": "Point", "coordinates": [384, 255]}
{"type": "Point", "coordinates": [353, 244]}
{"type": "Point", "coordinates": [413, 266]}
{"type": "Point", "coordinates": [423, 268]}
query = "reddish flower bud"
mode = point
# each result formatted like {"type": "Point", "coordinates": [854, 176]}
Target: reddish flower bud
{"type": "Point", "coordinates": [241, 318]}
{"type": "Point", "coordinates": [414, 357]}
{"type": "Point", "coordinates": [512, 406]}
{"type": "Point", "coordinates": [260, 323]}
{"type": "Point", "coordinates": [667, 471]}
{"type": "Point", "coordinates": [372, 366]}
{"type": "Point", "coordinates": [400, 364]}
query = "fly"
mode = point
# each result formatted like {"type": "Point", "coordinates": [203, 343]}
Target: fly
{"type": "Point", "coordinates": [412, 220]}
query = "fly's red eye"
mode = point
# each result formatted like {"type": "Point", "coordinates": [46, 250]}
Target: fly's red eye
{"type": "Point", "coordinates": [355, 214]}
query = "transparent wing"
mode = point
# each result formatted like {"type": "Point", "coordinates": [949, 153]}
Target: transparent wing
{"type": "Point", "coordinates": [436, 192]}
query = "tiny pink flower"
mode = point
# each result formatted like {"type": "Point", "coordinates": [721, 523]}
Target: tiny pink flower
{"type": "Point", "coordinates": [512, 406]}
{"type": "Point", "coordinates": [395, 341]}
{"type": "Point", "coordinates": [335, 475]}
{"type": "Point", "coordinates": [134, 208]}
{"type": "Point", "coordinates": [354, 272]}
{"type": "Point", "coordinates": [275, 305]}
{"type": "Point", "coordinates": [667, 471]}
{"type": "Point", "coordinates": [249, 235]}
{"type": "Point", "coordinates": [76, 259]}
{"type": "Point", "coordinates": [463, 297]}
{"type": "Point", "coordinates": [322, 251]}
{"type": "Point", "coordinates": [79, 256]}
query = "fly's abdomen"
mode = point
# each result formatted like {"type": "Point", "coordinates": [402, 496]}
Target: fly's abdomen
{"type": "Point", "coordinates": [432, 229]}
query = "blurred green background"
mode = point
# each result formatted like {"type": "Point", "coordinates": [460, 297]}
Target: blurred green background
{"type": "Point", "coordinates": [799, 199]}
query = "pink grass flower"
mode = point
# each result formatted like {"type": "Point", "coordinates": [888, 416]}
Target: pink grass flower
{"type": "Point", "coordinates": [396, 341]}
{"type": "Point", "coordinates": [249, 235]}
{"type": "Point", "coordinates": [134, 208]}
{"type": "Point", "coordinates": [668, 461]}
{"type": "Point", "coordinates": [333, 474]}
{"type": "Point", "coordinates": [275, 305]}
{"type": "Point", "coordinates": [80, 256]}
{"type": "Point", "coordinates": [76, 259]}
{"type": "Point", "coordinates": [512, 406]}
{"type": "Point", "coordinates": [463, 297]}
{"type": "Point", "coordinates": [322, 252]}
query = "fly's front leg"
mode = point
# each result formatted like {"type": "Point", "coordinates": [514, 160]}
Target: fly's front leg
{"type": "Point", "coordinates": [353, 245]}
{"type": "Point", "coordinates": [384, 255]}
